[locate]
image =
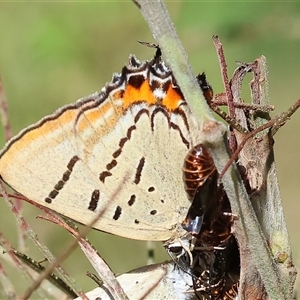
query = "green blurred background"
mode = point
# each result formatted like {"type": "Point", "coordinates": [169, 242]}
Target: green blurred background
{"type": "Point", "coordinates": [54, 53]}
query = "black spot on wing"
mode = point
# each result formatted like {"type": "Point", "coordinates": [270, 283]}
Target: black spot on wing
{"type": "Point", "coordinates": [136, 81]}
{"type": "Point", "coordinates": [139, 170]}
{"type": "Point", "coordinates": [118, 212]}
{"type": "Point", "coordinates": [103, 175]}
{"type": "Point", "coordinates": [131, 200]}
{"type": "Point", "coordinates": [111, 165]}
{"type": "Point", "coordinates": [65, 177]}
{"type": "Point", "coordinates": [94, 200]}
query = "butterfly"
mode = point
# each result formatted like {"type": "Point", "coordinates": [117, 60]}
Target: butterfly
{"type": "Point", "coordinates": [158, 281]}
{"type": "Point", "coordinates": [117, 154]}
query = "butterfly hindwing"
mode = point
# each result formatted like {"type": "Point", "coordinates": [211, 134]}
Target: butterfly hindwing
{"type": "Point", "coordinates": [118, 153]}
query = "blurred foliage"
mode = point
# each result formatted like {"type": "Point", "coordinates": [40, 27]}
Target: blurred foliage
{"type": "Point", "coordinates": [54, 53]}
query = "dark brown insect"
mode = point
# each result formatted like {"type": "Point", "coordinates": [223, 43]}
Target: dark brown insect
{"type": "Point", "coordinates": [199, 175]}
{"type": "Point", "coordinates": [216, 272]}
{"type": "Point", "coordinates": [205, 86]}
{"type": "Point", "coordinates": [209, 220]}
{"type": "Point", "coordinates": [198, 166]}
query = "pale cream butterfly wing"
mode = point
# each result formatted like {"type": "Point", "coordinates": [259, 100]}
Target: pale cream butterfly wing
{"type": "Point", "coordinates": [118, 152]}
{"type": "Point", "coordinates": [159, 281]}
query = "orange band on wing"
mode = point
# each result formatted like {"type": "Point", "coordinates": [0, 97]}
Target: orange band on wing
{"type": "Point", "coordinates": [144, 93]}
{"type": "Point", "coordinates": [172, 99]}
